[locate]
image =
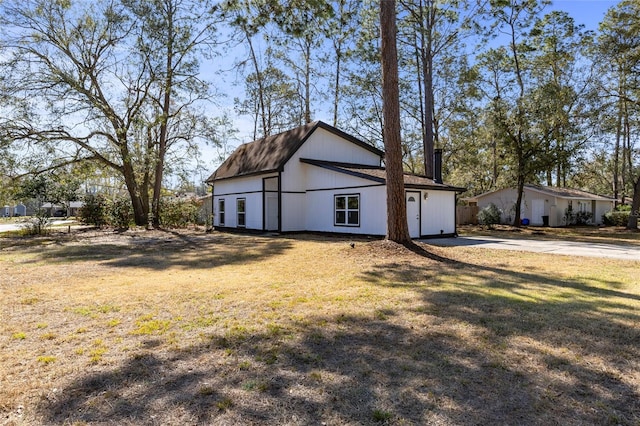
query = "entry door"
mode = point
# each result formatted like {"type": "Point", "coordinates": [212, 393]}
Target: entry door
{"type": "Point", "coordinates": [537, 211]}
{"type": "Point", "coordinates": [271, 211]}
{"type": "Point", "coordinates": [413, 213]}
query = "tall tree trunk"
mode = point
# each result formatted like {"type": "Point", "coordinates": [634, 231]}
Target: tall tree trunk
{"type": "Point", "coordinates": [307, 83]}
{"type": "Point", "coordinates": [628, 149]}
{"type": "Point", "coordinates": [494, 177]}
{"type": "Point", "coordinates": [616, 154]}
{"type": "Point", "coordinates": [624, 173]}
{"type": "Point", "coordinates": [635, 206]}
{"type": "Point", "coordinates": [140, 209]}
{"type": "Point", "coordinates": [520, 189]}
{"type": "Point", "coordinates": [254, 60]}
{"type": "Point", "coordinates": [420, 97]}
{"type": "Point", "coordinates": [519, 138]}
{"type": "Point", "coordinates": [336, 89]}
{"type": "Point", "coordinates": [164, 119]}
{"type": "Point", "coordinates": [397, 229]}
{"type": "Point", "coordinates": [427, 78]}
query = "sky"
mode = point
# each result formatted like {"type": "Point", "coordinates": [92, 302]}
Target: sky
{"type": "Point", "coordinates": [587, 12]}
{"type": "Point", "coordinates": [584, 12]}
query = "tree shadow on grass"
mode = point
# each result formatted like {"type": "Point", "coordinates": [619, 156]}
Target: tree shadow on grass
{"type": "Point", "coordinates": [166, 249]}
{"type": "Point", "coordinates": [585, 338]}
{"type": "Point", "coordinates": [461, 354]}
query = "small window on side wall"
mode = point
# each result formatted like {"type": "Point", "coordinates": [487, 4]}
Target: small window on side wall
{"type": "Point", "coordinates": [347, 210]}
{"type": "Point", "coordinates": [221, 212]}
{"type": "Point", "coordinates": [242, 215]}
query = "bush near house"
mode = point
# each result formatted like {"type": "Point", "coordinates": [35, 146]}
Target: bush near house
{"type": "Point", "coordinates": [179, 212]}
{"type": "Point", "coordinates": [174, 213]}
{"type": "Point", "coordinates": [100, 211]}
{"type": "Point", "coordinates": [489, 215]}
{"type": "Point", "coordinates": [38, 224]}
{"type": "Point", "coordinates": [583, 218]}
{"type": "Point", "coordinates": [120, 213]}
{"type": "Point", "coordinates": [93, 211]}
{"type": "Point", "coordinates": [617, 217]}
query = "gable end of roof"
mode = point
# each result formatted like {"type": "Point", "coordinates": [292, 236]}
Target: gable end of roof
{"type": "Point", "coordinates": [270, 154]}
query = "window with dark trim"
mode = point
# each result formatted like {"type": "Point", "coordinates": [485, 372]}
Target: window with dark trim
{"type": "Point", "coordinates": [347, 210]}
{"type": "Point", "coordinates": [242, 215]}
{"type": "Point", "coordinates": [221, 211]}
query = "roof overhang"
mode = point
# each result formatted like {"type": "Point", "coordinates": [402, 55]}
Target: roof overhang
{"type": "Point", "coordinates": [360, 171]}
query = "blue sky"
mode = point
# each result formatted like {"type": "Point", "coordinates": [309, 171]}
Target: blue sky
{"type": "Point", "coordinates": [586, 12]}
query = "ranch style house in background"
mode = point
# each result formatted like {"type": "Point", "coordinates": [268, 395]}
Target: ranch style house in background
{"type": "Point", "coordinates": [539, 202]}
{"type": "Point", "coordinates": [316, 178]}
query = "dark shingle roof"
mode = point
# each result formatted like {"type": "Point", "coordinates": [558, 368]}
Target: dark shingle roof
{"type": "Point", "coordinates": [271, 153]}
{"type": "Point", "coordinates": [379, 174]}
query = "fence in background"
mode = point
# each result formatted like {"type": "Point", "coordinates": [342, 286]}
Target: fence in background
{"type": "Point", "coordinates": [467, 215]}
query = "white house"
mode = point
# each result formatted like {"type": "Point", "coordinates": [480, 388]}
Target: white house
{"type": "Point", "coordinates": [316, 178]}
{"type": "Point", "coordinates": [558, 205]}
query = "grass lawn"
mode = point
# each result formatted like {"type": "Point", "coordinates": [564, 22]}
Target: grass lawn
{"type": "Point", "coordinates": [588, 234]}
{"type": "Point", "coordinates": [185, 328]}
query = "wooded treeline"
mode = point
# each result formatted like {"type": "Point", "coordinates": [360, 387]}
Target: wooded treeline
{"type": "Point", "coordinates": [514, 93]}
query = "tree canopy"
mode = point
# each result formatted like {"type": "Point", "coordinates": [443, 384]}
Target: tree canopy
{"type": "Point", "coordinates": [513, 91]}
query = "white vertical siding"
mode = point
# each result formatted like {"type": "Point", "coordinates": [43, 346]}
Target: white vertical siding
{"type": "Point", "coordinates": [249, 188]}
{"type": "Point", "coordinates": [373, 211]}
{"type": "Point", "coordinates": [322, 145]}
{"type": "Point", "coordinates": [324, 185]}
{"type": "Point", "coordinates": [293, 212]}
{"type": "Point", "coordinates": [438, 212]}
{"type": "Point", "coordinates": [561, 207]}
{"type": "Point", "coordinates": [601, 208]}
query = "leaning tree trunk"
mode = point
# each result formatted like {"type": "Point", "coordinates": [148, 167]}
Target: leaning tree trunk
{"type": "Point", "coordinates": [397, 228]}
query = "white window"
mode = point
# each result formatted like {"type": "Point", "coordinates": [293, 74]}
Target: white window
{"type": "Point", "coordinates": [221, 211]}
{"type": "Point", "coordinates": [242, 216]}
{"type": "Point", "coordinates": [347, 210]}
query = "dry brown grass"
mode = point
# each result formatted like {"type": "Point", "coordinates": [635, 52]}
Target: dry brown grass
{"type": "Point", "coordinates": [185, 328]}
{"type": "Point", "coordinates": [589, 234]}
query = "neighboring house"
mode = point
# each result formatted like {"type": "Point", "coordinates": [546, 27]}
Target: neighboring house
{"type": "Point", "coordinates": [55, 210]}
{"type": "Point", "coordinates": [547, 205]}
{"type": "Point", "coordinates": [316, 178]}
{"type": "Point", "coordinates": [15, 210]}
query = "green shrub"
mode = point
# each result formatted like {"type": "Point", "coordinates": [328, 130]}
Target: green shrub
{"type": "Point", "coordinates": [616, 217]}
{"type": "Point", "coordinates": [489, 215]}
{"type": "Point", "coordinates": [38, 224]}
{"type": "Point", "coordinates": [179, 212]}
{"type": "Point", "coordinates": [94, 210]}
{"type": "Point", "coordinates": [569, 216]}
{"type": "Point", "coordinates": [583, 218]}
{"type": "Point", "coordinates": [120, 213]}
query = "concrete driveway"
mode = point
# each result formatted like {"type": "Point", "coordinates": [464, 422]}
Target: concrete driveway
{"type": "Point", "coordinates": [6, 227]}
{"type": "Point", "coordinates": [569, 248]}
